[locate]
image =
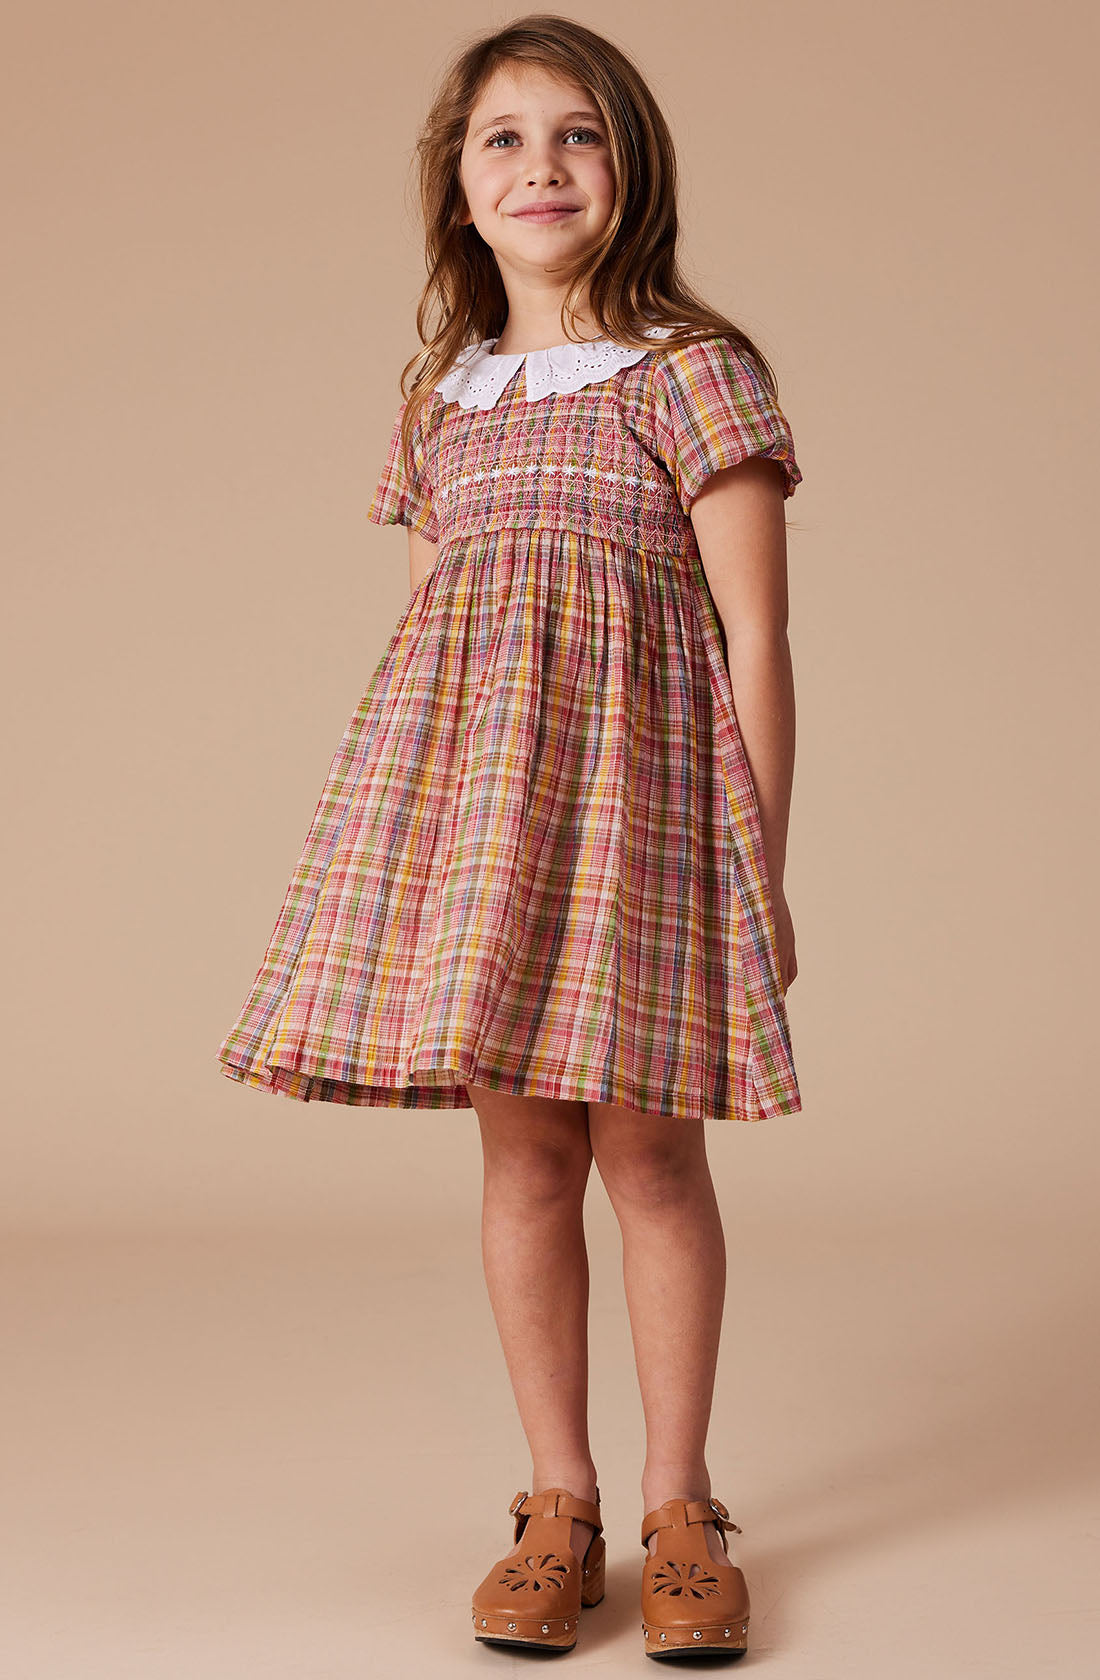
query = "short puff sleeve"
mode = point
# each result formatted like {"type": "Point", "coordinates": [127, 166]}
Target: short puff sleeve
{"type": "Point", "coordinates": [406, 500]}
{"type": "Point", "coordinates": [713, 410]}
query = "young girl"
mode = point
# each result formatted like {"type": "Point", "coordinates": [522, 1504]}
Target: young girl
{"type": "Point", "coordinates": [545, 875]}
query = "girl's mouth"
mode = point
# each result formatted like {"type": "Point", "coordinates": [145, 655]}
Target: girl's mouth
{"type": "Point", "coordinates": [543, 215]}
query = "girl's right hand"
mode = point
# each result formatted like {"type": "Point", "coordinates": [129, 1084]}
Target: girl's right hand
{"type": "Point", "coordinates": [784, 941]}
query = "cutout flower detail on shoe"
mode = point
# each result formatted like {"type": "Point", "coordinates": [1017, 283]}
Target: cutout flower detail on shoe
{"type": "Point", "coordinates": [536, 1572]}
{"type": "Point", "coordinates": [683, 1580]}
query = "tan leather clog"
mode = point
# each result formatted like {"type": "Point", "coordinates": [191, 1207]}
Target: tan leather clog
{"type": "Point", "coordinates": [533, 1597]}
{"type": "Point", "coordinates": [689, 1602]}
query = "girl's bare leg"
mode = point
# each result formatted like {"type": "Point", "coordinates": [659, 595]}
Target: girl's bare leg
{"type": "Point", "coordinates": [537, 1157]}
{"type": "Point", "coordinates": [657, 1177]}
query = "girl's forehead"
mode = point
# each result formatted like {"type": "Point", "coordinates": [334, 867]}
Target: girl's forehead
{"type": "Point", "coordinates": [526, 84]}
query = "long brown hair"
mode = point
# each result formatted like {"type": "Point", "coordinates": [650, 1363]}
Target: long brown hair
{"type": "Point", "coordinates": [632, 275]}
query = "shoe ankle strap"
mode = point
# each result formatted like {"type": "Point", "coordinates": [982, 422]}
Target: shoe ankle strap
{"type": "Point", "coordinates": [556, 1502]}
{"type": "Point", "coordinates": [676, 1513]}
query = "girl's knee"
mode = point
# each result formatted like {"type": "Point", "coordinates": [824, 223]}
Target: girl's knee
{"type": "Point", "coordinates": [648, 1158]}
{"type": "Point", "coordinates": [539, 1145]}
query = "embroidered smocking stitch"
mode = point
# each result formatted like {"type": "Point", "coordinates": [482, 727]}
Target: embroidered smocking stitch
{"type": "Point", "coordinates": [548, 469]}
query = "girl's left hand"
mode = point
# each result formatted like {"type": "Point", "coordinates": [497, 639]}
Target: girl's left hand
{"type": "Point", "coordinates": [784, 940]}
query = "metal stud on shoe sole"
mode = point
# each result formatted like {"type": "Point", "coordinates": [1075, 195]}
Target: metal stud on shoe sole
{"type": "Point", "coordinates": [692, 1641]}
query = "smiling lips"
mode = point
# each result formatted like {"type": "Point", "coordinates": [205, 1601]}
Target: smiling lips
{"type": "Point", "coordinates": [547, 212]}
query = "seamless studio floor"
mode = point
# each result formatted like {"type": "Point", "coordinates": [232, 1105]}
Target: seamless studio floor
{"type": "Point", "coordinates": [262, 1451]}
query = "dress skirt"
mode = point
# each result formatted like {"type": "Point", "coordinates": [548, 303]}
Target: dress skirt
{"type": "Point", "coordinates": [536, 863]}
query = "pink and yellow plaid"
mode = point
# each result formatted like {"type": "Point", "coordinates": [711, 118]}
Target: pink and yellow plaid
{"type": "Point", "coordinates": [536, 863]}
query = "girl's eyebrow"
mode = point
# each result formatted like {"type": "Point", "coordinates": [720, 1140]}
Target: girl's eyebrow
{"type": "Point", "coordinates": [512, 116]}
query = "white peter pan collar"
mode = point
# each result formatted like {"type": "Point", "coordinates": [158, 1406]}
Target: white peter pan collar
{"type": "Point", "coordinates": [477, 378]}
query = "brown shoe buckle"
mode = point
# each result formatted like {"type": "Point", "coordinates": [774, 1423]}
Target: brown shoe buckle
{"type": "Point", "coordinates": [725, 1516]}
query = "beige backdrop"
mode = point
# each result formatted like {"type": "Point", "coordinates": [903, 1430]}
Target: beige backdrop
{"type": "Point", "coordinates": [212, 264]}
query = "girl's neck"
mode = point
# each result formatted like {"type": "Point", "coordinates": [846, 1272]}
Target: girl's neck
{"type": "Point", "coordinates": [524, 337]}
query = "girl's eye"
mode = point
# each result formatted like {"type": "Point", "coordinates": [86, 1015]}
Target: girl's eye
{"type": "Point", "coordinates": [510, 134]}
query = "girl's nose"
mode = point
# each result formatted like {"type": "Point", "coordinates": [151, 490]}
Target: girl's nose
{"type": "Point", "coordinates": [548, 168]}
{"type": "Point", "coordinates": [544, 166]}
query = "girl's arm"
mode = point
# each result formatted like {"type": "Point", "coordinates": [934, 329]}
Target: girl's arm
{"type": "Point", "coordinates": [422, 557]}
{"type": "Point", "coordinates": [739, 525]}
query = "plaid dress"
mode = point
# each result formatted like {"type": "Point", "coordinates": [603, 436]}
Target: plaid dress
{"type": "Point", "coordinates": [536, 863]}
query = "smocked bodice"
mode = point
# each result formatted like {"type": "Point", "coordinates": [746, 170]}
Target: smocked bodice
{"type": "Point", "coordinates": [617, 447]}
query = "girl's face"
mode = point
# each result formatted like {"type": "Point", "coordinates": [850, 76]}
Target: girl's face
{"type": "Point", "coordinates": [533, 140]}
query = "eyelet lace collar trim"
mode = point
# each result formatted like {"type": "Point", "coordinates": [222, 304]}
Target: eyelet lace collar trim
{"type": "Point", "coordinates": [477, 378]}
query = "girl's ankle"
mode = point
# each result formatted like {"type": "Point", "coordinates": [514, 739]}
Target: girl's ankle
{"type": "Point", "coordinates": [656, 1489]}
{"type": "Point", "coordinates": [582, 1484]}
